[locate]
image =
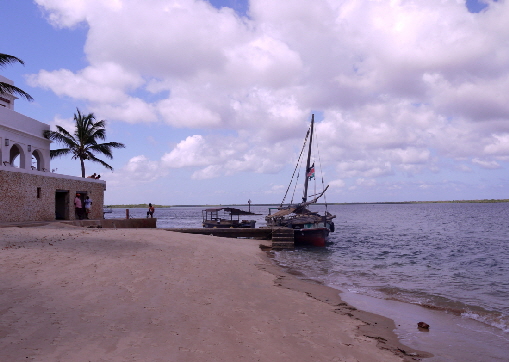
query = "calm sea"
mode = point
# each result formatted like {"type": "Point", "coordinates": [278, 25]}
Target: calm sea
{"type": "Point", "coordinates": [451, 258]}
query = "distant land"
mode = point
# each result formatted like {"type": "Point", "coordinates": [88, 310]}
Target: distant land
{"type": "Point", "coordinates": [144, 206]}
{"type": "Point", "coordinates": [138, 206]}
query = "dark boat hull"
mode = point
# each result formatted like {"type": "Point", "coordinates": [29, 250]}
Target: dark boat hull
{"type": "Point", "coordinates": [311, 236]}
{"type": "Point", "coordinates": [225, 225]}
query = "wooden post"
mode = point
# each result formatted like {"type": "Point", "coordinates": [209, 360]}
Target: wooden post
{"type": "Point", "coordinates": [127, 213]}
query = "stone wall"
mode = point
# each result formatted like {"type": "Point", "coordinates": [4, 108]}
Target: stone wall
{"type": "Point", "coordinates": [33, 196]}
{"type": "Point", "coordinates": [117, 223]}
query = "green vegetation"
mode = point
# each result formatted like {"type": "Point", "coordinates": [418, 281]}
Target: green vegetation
{"type": "Point", "coordinates": [6, 87]}
{"type": "Point", "coordinates": [424, 202]}
{"type": "Point", "coordinates": [83, 144]}
{"type": "Point", "coordinates": [136, 206]}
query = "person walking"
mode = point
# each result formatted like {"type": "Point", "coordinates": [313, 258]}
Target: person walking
{"type": "Point", "coordinates": [88, 204]}
{"type": "Point", "coordinates": [150, 211]}
{"type": "Point", "coordinates": [77, 207]}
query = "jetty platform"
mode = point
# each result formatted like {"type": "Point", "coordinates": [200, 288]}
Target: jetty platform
{"type": "Point", "coordinates": [88, 223]}
{"type": "Point", "coordinates": [281, 237]}
{"type": "Point", "coordinates": [259, 233]}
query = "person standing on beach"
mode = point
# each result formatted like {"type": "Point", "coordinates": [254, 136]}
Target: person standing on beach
{"type": "Point", "coordinates": [88, 204]}
{"type": "Point", "coordinates": [150, 211]}
{"type": "Point", "coordinates": [77, 206]}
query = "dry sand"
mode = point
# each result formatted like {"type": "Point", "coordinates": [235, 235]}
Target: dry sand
{"type": "Point", "coordinates": [74, 294]}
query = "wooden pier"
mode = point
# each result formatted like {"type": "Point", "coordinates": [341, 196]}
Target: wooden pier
{"type": "Point", "coordinates": [282, 238]}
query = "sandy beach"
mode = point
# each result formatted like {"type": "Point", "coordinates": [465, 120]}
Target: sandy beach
{"type": "Point", "coordinates": [79, 294]}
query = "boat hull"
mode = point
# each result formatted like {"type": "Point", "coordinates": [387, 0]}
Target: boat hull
{"type": "Point", "coordinates": [228, 224]}
{"type": "Point", "coordinates": [311, 236]}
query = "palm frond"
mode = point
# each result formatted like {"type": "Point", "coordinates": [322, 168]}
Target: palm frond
{"type": "Point", "coordinates": [61, 136]}
{"type": "Point", "coordinates": [95, 159]}
{"type": "Point", "coordinates": [10, 89]}
{"type": "Point", "coordinates": [110, 145]}
{"type": "Point", "coordinates": [99, 133]}
{"type": "Point", "coordinates": [63, 131]}
{"type": "Point", "coordinates": [106, 148]}
{"type": "Point", "coordinates": [101, 149]}
{"type": "Point", "coordinates": [9, 59]}
{"type": "Point", "coordinates": [59, 152]}
{"type": "Point", "coordinates": [115, 144]}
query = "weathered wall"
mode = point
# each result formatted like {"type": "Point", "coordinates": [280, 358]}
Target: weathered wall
{"type": "Point", "coordinates": [19, 199]}
{"type": "Point", "coordinates": [118, 223]}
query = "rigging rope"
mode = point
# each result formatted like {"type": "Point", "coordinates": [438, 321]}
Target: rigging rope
{"type": "Point", "coordinates": [295, 187]}
{"type": "Point", "coordinates": [296, 166]}
{"type": "Point", "coordinates": [321, 171]}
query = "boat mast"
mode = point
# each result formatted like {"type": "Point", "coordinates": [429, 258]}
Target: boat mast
{"type": "Point", "coordinates": [305, 197]}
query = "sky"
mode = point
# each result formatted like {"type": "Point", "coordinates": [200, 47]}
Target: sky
{"type": "Point", "coordinates": [213, 98]}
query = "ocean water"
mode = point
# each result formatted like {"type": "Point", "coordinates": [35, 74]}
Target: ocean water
{"type": "Point", "coordinates": [450, 261]}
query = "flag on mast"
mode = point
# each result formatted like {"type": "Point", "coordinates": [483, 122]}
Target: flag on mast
{"type": "Point", "coordinates": [311, 172]}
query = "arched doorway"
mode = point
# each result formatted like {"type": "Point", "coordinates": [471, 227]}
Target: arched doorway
{"type": "Point", "coordinates": [17, 156]}
{"type": "Point", "coordinates": [37, 160]}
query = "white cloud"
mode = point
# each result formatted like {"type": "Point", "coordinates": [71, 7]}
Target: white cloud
{"type": "Point", "coordinates": [191, 152]}
{"type": "Point", "coordinates": [142, 169]}
{"type": "Point", "coordinates": [67, 123]}
{"type": "Point", "coordinates": [219, 156]}
{"type": "Point", "coordinates": [103, 83]}
{"type": "Point", "coordinates": [499, 145]}
{"type": "Point", "coordinates": [276, 189]}
{"type": "Point", "coordinates": [400, 85]}
{"type": "Point", "coordinates": [337, 183]}
{"type": "Point", "coordinates": [464, 168]}
{"type": "Point", "coordinates": [485, 163]}
{"type": "Point", "coordinates": [366, 182]}
{"type": "Point", "coordinates": [211, 171]}
{"type": "Point", "coordinates": [139, 169]}
{"type": "Point", "coordinates": [66, 13]}
{"type": "Point", "coordinates": [131, 110]}
{"type": "Point", "coordinates": [182, 112]}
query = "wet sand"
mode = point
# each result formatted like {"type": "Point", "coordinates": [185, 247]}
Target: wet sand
{"type": "Point", "coordinates": [451, 337]}
{"type": "Point", "coordinates": [74, 294]}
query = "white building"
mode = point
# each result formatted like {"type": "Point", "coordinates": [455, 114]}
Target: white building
{"type": "Point", "coordinates": [29, 191]}
{"type": "Point", "coordinates": [21, 138]}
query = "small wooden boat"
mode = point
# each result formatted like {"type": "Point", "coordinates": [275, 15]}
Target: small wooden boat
{"type": "Point", "coordinates": [226, 217]}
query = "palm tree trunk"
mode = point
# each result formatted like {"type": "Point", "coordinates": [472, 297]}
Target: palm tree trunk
{"type": "Point", "coordinates": [82, 168]}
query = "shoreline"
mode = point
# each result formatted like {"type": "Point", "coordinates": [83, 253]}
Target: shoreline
{"type": "Point", "coordinates": [375, 326]}
{"type": "Point", "coordinates": [109, 294]}
{"type": "Point", "coordinates": [472, 340]}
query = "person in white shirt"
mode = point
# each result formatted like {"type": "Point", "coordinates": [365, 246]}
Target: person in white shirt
{"type": "Point", "coordinates": [88, 204]}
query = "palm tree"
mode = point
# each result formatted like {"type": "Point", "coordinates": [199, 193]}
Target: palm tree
{"type": "Point", "coordinates": [8, 88]}
{"type": "Point", "coordinates": [83, 143]}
